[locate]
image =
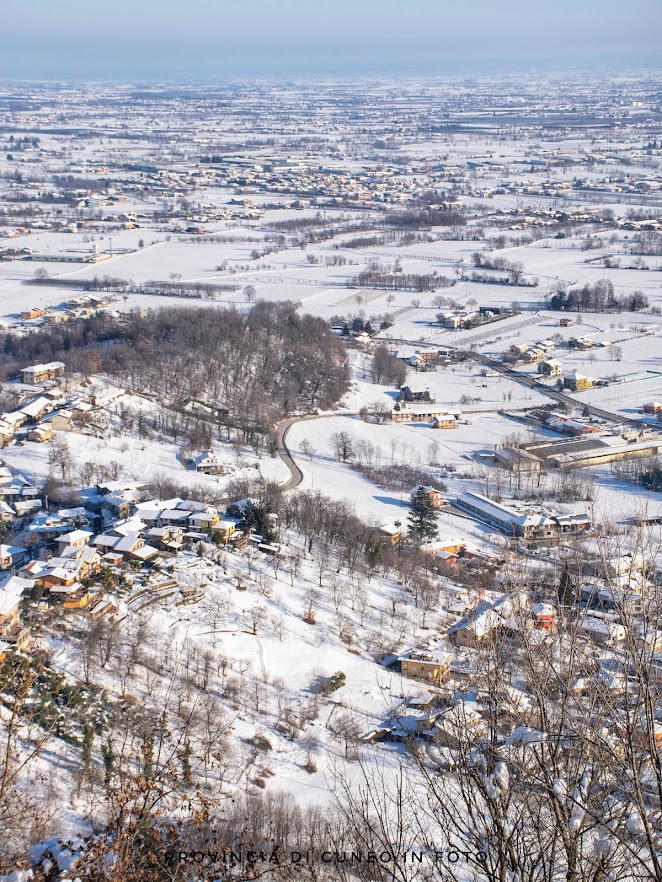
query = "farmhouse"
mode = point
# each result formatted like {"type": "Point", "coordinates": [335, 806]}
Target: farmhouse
{"type": "Point", "coordinates": [602, 631]}
{"type": "Point", "coordinates": [29, 314]}
{"type": "Point", "coordinates": [475, 628]}
{"type": "Point", "coordinates": [458, 725]}
{"type": "Point", "coordinates": [388, 533]}
{"type": "Point", "coordinates": [419, 396]}
{"type": "Point", "coordinates": [223, 530]}
{"type": "Point", "coordinates": [40, 434]}
{"type": "Point", "coordinates": [207, 463]}
{"type": "Point", "coordinates": [518, 349]}
{"type": "Point", "coordinates": [447, 421]}
{"type": "Point", "coordinates": [423, 413]}
{"type": "Point", "coordinates": [74, 539]}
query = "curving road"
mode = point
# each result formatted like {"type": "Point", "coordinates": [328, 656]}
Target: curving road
{"type": "Point", "coordinates": [283, 451]}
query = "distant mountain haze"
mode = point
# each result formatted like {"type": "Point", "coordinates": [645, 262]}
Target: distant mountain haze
{"type": "Point", "coordinates": [202, 38]}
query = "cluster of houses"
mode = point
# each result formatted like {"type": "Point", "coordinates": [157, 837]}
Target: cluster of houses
{"type": "Point", "coordinates": [318, 185]}
{"type": "Point", "coordinates": [507, 616]}
{"type": "Point", "coordinates": [551, 367]}
{"type": "Point", "coordinates": [530, 353]}
{"type": "Point", "coordinates": [46, 406]}
{"type": "Point", "coordinates": [42, 379]}
{"type": "Point", "coordinates": [13, 633]}
{"type": "Point", "coordinates": [18, 496]}
{"type": "Point", "coordinates": [422, 358]}
{"type": "Point", "coordinates": [68, 562]}
{"type": "Point", "coordinates": [37, 318]}
{"type": "Point", "coordinates": [454, 718]}
{"type": "Point", "coordinates": [461, 320]}
{"type": "Point", "coordinates": [450, 718]}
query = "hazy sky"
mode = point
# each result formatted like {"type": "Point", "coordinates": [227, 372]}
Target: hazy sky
{"type": "Point", "coordinates": [174, 39]}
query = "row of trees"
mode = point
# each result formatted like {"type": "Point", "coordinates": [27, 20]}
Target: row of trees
{"type": "Point", "coordinates": [599, 297]}
{"type": "Point", "coordinates": [400, 281]}
{"type": "Point", "coordinates": [424, 218]}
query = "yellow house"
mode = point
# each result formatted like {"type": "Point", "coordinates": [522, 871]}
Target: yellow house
{"type": "Point", "coordinates": [78, 602]}
{"type": "Point", "coordinates": [223, 529]}
{"type": "Point", "coordinates": [430, 666]}
{"type": "Point", "coordinates": [203, 520]}
{"type": "Point", "coordinates": [388, 533]}
{"type": "Point", "coordinates": [578, 382]}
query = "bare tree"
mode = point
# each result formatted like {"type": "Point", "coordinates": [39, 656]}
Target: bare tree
{"type": "Point", "coordinates": [60, 456]}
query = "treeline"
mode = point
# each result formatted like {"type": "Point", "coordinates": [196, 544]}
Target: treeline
{"type": "Point", "coordinates": [647, 472]}
{"type": "Point", "coordinates": [258, 366]}
{"type": "Point", "coordinates": [400, 281]}
{"type": "Point", "coordinates": [386, 369]}
{"type": "Point", "coordinates": [362, 242]}
{"type": "Point", "coordinates": [433, 217]}
{"type": "Point", "coordinates": [197, 290]}
{"type": "Point", "coordinates": [297, 224]}
{"type": "Point", "coordinates": [514, 268]}
{"type": "Point", "coordinates": [399, 237]}
{"type": "Point", "coordinates": [511, 279]}
{"type": "Point", "coordinates": [599, 297]}
{"type": "Point", "coordinates": [647, 244]}
{"type": "Point", "coordinates": [218, 239]}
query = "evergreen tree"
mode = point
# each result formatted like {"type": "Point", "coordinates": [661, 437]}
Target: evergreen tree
{"type": "Point", "coordinates": [255, 517]}
{"type": "Point", "coordinates": [422, 516]}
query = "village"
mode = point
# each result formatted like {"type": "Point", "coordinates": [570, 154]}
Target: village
{"type": "Point", "coordinates": [330, 444]}
{"type": "Point", "coordinates": [115, 552]}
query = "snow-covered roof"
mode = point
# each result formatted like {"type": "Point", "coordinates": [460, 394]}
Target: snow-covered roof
{"type": "Point", "coordinates": [9, 597]}
{"type": "Point", "coordinates": [500, 512]}
{"type": "Point", "coordinates": [145, 552]}
{"type": "Point", "coordinates": [543, 609]}
{"type": "Point", "coordinates": [34, 408]}
{"type": "Point", "coordinates": [49, 366]}
{"type": "Point", "coordinates": [11, 550]}
{"type": "Point", "coordinates": [75, 536]}
{"type": "Point", "coordinates": [129, 526]}
{"type": "Point", "coordinates": [594, 625]}
{"type": "Point", "coordinates": [66, 589]}
{"type": "Point", "coordinates": [127, 543]}
{"type": "Point", "coordinates": [526, 735]}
